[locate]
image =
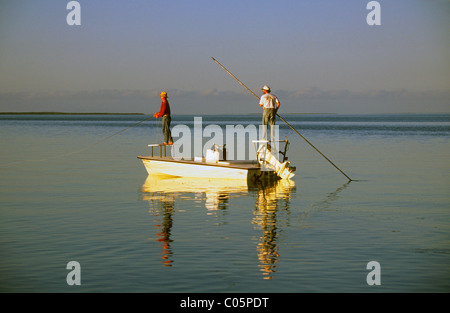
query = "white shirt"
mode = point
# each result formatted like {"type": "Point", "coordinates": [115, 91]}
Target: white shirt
{"type": "Point", "coordinates": [269, 101]}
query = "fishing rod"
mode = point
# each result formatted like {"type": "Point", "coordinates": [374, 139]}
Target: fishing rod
{"type": "Point", "coordinates": [349, 179]}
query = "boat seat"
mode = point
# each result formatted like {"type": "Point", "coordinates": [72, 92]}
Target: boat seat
{"type": "Point", "coordinates": [153, 145]}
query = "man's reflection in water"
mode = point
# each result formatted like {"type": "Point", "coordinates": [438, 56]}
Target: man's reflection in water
{"type": "Point", "coordinates": [271, 204]}
{"type": "Point", "coordinates": [165, 216]}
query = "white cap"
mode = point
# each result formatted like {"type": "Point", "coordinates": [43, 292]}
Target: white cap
{"type": "Point", "coordinates": [266, 88]}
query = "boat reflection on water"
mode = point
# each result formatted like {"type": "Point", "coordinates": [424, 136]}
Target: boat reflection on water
{"type": "Point", "coordinates": [271, 196]}
{"type": "Point", "coordinates": [217, 191]}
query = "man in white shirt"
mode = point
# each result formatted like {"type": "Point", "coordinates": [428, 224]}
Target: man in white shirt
{"type": "Point", "coordinates": [270, 103]}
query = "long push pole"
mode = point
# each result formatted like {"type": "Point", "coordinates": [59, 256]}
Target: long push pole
{"type": "Point", "coordinates": [349, 179]}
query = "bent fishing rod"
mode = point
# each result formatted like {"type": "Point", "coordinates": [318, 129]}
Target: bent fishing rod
{"type": "Point", "coordinates": [349, 179]}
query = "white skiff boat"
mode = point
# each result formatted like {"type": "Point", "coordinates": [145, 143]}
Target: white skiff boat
{"type": "Point", "coordinates": [266, 164]}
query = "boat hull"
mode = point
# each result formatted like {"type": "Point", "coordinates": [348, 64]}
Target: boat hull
{"type": "Point", "coordinates": [189, 168]}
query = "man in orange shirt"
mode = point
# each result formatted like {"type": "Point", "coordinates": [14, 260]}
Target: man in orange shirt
{"type": "Point", "coordinates": [166, 119]}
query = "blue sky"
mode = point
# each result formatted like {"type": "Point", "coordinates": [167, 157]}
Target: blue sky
{"type": "Point", "coordinates": [318, 56]}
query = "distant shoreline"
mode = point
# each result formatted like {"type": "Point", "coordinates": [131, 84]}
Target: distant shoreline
{"type": "Point", "coordinates": [209, 114]}
{"type": "Point", "coordinates": [100, 113]}
{"type": "Point", "coordinates": [66, 113]}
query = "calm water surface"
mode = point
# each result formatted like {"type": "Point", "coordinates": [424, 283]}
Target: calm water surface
{"type": "Point", "coordinates": [63, 199]}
